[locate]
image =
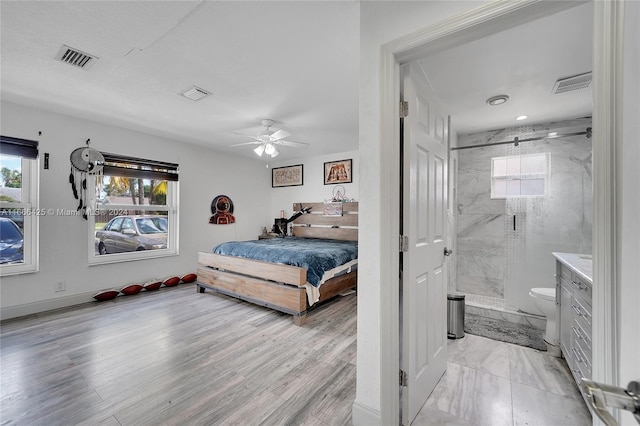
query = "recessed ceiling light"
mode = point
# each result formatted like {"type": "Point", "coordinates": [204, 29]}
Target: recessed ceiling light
{"type": "Point", "coordinates": [497, 100]}
{"type": "Point", "coordinates": [521, 117]}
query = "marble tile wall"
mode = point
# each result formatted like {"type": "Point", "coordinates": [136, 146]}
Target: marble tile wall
{"type": "Point", "coordinates": [495, 261]}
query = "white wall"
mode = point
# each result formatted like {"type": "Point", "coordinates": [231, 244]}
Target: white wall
{"type": "Point", "coordinates": [313, 189]}
{"type": "Point", "coordinates": [628, 177]}
{"type": "Point", "coordinates": [380, 22]}
{"type": "Point", "coordinates": [63, 239]}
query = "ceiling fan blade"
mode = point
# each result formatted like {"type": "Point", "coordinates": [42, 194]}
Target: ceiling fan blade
{"type": "Point", "coordinates": [246, 135]}
{"type": "Point", "coordinates": [280, 134]}
{"type": "Point", "coordinates": [292, 144]}
{"type": "Point", "coordinates": [247, 143]}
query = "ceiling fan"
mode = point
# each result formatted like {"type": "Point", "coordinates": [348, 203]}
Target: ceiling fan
{"type": "Point", "coordinates": [268, 140]}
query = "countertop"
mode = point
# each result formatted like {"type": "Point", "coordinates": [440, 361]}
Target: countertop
{"type": "Point", "coordinates": [581, 264]}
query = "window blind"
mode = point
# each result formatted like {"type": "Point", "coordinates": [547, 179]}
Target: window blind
{"type": "Point", "coordinates": [133, 167]}
{"type": "Point", "coordinates": [20, 147]}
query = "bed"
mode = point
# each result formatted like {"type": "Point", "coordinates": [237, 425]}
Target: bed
{"type": "Point", "coordinates": [284, 287]}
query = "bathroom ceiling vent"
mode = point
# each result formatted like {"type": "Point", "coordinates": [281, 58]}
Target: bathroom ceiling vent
{"type": "Point", "coordinates": [75, 57]}
{"type": "Point", "coordinates": [569, 84]}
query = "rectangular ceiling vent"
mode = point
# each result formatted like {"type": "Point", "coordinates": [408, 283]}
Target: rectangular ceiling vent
{"type": "Point", "coordinates": [75, 57]}
{"type": "Point", "coordinates": [195, 93]}
{"type": "Point", "coordinates": [569, 84]}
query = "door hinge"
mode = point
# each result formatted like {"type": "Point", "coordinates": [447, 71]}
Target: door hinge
{"type": "Point", "coordinates": [403, 378]}
{"type": "Point", "coordinates": [404, 109]}
{"type": "Point", "coordinates": [404, 243]}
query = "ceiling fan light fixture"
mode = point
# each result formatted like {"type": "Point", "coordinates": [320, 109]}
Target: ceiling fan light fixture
{"type": "Point", "coordinates": [275, 153]}
{"type": "Point", "coordinates": [259, 150]}
{"type": "Point", "coordinates": [269, 149]}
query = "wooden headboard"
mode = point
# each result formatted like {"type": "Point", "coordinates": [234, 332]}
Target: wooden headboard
{"type": "Point", "coordinates": [315, 225]}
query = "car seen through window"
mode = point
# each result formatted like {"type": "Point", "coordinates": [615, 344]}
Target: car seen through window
{"type": "Point", "coordinates": [132, 233]}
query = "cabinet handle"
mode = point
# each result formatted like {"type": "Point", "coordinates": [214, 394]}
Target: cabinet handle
{"type": "Point", "coordinates": [576, 310]}
{"type": "Point", "coordinates": [602, 396]}
{"type": "Point", "coordinates": [577, 355]}
{"type": "Point", "coordinates": [578, 284]}
{"type": "Point", "coordinates": [577, 333]}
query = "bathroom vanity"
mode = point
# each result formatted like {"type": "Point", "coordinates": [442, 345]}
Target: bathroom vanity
{"type": "Point", "coordinates": [573, 299]}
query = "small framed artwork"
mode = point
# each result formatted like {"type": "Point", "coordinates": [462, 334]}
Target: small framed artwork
{"type": "Point", "coordinates": [286, 176]}
{"type": "Point", "coordinates": [337, 172]}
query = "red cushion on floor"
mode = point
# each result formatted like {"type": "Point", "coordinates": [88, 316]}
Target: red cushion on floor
{"type": "Point", "coordinates": [131, 289]}
{"type": "Point", "coordinates": [171, 281]}
{"type": "Point", "coordinates": [106, 295]}
{"type": "Point", "coordinates": [189, 278]}
{"type": "Point", "coordinates": [152, 285]}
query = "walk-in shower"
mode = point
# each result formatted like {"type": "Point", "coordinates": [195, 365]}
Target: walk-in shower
{"type": "Point", "coordinates": [514, 205]}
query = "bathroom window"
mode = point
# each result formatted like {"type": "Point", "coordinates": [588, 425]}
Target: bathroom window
{"type": "Point", "coordinates": [519, 176]}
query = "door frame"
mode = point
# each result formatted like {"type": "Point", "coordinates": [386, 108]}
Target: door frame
{"type": "Point", "coordinates": [607, 82]}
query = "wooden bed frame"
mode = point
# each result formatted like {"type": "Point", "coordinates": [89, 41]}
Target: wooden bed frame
{"type": "Point", "coordinates": [277, 286]}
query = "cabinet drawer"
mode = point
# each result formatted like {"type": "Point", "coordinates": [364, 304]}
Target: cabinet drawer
{"type": "Point", "coordinates": [582, 315]}
{"type": "Point", "coordinates": [581, 362]}
{"type": "Point", "coordinates": [584, 346]}
{"type": "Point", "coordinates": [581, 289]}
{"type": "Point", "coordinates": [580, 333]}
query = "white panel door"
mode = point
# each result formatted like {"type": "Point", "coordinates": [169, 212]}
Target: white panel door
{"type": "Point", "coordinates": [424, 273]}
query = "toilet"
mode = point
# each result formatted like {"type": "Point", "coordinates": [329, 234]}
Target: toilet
{"type": "Point", "coordinates": [545, 301]}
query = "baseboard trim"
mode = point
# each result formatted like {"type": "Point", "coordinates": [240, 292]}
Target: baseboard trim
{"type": "Point", "coordinates": [44, 305]}
{"type": "Point", "coordinates": [362, 415]}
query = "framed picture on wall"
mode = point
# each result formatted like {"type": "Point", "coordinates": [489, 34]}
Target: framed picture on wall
{"type": "Point", "coordinates": [337, 172]}
{"type": "Point", "coordinates": [286, 176]}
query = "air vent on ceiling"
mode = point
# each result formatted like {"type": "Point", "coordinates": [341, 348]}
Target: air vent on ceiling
{"type": "Point", "coordinates": [195, 93]}
{"type": "Point", "coordinates": [75, 57]}
{"type": "Point", "coordinates": [569, 84]}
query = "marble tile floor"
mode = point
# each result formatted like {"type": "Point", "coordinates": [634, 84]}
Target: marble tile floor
{"type": "Point", "coordinates": [495, 383]}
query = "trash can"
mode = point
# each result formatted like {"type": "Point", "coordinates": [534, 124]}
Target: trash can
{"type": "Point", "coordinates": [455, 316]}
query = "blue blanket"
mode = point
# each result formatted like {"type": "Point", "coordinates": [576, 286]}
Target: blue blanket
{"type": "Point", "coordinates": [315, 254]}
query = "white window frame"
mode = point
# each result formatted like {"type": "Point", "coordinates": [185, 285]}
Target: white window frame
{"type": "Point", "coordinates": [545, 174]}
{"type": "Point", "coordinates": [171, 207]}
{"type": "Point", "coordinates": [28, 205]}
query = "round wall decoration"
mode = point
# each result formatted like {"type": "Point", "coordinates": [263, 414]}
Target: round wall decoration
{"type": "Point", "coordinates": [222, 210]}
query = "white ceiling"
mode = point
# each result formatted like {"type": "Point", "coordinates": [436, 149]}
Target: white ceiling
{"type": "Point", "coordinates": [522, 63]}
{"type": "Point", "coordinates": [294, 62]}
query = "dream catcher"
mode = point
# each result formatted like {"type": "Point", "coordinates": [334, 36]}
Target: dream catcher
{"type": "Point", "coordinates": [84, 160]}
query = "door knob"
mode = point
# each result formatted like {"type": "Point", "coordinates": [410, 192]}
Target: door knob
{"type": "Point", "coordinates": [447, 252]}
{"type": "Point", "coordinates": [601, 396]}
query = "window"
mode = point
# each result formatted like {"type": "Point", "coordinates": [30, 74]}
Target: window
{"type": "Point", "coordinates": [19, 212]}
{"type": "Point", "coordinates": [136, 210]}
{"type": "Point", "coordinates": [519, 175]}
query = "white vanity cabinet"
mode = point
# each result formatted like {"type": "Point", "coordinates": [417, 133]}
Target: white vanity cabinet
{"type": "Point", "coordinates": [573, 297]}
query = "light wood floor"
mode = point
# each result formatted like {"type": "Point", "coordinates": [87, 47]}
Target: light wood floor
{"type": "Point", "coordinates": [176, 357]}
